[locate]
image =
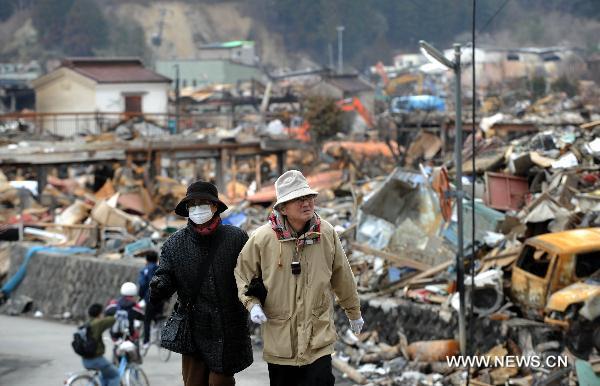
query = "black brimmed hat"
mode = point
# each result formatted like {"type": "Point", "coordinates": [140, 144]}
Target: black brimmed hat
{"type": "Point", "coordinates": [200, 190]}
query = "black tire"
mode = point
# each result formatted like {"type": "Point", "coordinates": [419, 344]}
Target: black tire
{"type": "Point", "coordinates": [579, 339]}
{"type": "Point", "coordinates": [83, 380]}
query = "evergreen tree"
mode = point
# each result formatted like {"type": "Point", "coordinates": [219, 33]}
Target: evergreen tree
{"type": "Point", "coordinates": [324, 117]}
{"type": "Point", "coordinates": [85, 29]}
{"type": "Point", "coordinates": [48, 18]}
{"type": "Point", "coordinates": [6, 10]}
{"type": "Point", "coordinates": [126, 38]}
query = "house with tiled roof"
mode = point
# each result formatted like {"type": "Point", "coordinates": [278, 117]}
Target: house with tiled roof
{"type": "Point", "coordinates": [342, 86]}
{"type": "Point", "coordinates": [102, 85]}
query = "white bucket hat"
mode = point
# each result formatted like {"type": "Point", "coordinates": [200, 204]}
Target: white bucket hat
{"type": "Point", "coordinates": [291, 185]}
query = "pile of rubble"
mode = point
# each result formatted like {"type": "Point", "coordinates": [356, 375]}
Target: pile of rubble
{"type": "Point", "coordinates": [399, 230]}
{"type": "Point", "coordinates": [71, 212]}
{"type": "Point", "coordinates": [400, 234]}
{"type": "Point", "coordinates": [536, 272]}
{"type": "Point", "coordinates": [533, 270]}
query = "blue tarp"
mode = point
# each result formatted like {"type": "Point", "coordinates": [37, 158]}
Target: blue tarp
{"type": "Point", "coordinates": [16, 279]}
{"type": "Point", "coordinates": [395, 274]}
{"type": "Point", "coordinates": [417, 102]}
{"type": "Point", "coordinates": [236, 219]}
{"type": "Point", "coordinates": [141, 245]}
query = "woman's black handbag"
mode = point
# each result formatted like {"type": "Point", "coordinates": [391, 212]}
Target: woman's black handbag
{"type": "Point", "coordinates": [176, 334]}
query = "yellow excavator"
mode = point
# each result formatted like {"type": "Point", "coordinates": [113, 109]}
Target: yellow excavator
{"type": "Point", "coordinates": [392, 87]}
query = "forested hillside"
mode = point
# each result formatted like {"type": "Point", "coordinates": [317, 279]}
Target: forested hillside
{"type": "Point", "coordinates": [373, 28]}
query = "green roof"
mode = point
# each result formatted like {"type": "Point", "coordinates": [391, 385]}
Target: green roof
{"type": "Point", "coordinates": [231, 44]}
{"type": "Point", "coordinates": [236, 43]}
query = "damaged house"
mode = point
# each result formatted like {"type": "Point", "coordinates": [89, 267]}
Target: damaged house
{"type": "Point", "coordinates": [84, 86]}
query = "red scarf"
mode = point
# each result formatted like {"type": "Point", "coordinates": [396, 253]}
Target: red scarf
{"type": "Point", "coordinates": [208, 228]}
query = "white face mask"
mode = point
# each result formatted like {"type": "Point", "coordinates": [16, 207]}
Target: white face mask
{"type": "Point", "coordinates": [200, 214]}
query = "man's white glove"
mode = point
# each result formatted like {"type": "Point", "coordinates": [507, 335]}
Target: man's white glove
{"type": "Point", "coordinates": [257, 315]}
{"type": "Point", "coordinates": [357, 325]}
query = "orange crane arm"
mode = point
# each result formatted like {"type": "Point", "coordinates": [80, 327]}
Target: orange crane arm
{"type": "Point", "coordinates": [381, 71]}
{"type": "Point", "coordinates": [354, 104]}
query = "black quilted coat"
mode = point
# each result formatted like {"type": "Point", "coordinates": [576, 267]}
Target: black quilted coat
{"type": "Point", "coordinates": [219, 320]}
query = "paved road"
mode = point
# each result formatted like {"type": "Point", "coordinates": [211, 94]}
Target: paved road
{"type": "Point", "coordinates": [35, 352]}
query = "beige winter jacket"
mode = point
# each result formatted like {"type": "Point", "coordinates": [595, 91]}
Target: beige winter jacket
{"type": "Point", "coordinates": [299, 308]}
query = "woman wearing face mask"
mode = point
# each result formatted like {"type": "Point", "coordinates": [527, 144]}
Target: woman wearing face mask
{"type": "Point", "coordinates": [198, 262]}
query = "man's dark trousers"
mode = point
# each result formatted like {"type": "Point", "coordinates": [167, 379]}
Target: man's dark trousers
{"type": "Point", "coordinates": [318, 373]}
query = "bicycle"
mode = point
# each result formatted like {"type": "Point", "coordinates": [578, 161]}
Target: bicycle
{"type": "Point", "coordinates": [155, 330]}
{"type": "Point", "coordinates": [130, 373]}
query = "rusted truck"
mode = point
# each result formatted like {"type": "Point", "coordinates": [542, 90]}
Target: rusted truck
{"type": "Point", "coordinates": [557, 279]}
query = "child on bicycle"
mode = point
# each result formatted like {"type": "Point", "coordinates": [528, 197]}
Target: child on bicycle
{"type": "Point", "coordinates": [98, 324]}
{"type": "Point", "coordinates": [127, 302]}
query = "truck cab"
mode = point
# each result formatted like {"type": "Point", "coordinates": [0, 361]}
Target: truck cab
{"type": "Point", "coordinates": [550, 262]}
{"type": "Point", "coordinates": [557, 279]}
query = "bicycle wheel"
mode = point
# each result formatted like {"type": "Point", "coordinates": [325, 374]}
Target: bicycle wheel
{"type": "Point", "coordinates": [144, 351]}
{"type": "Point", "coordinates": [163, 353]}
{"type": "Point", "coordinates": [83, 380]}
{"type": "Point", "coordinates": [135, 376]}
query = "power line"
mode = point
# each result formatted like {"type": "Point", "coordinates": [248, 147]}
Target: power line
{"type": "Point", "coordinates": [474, 177]}
{"type": "Point", "coordinates": [491, 18]}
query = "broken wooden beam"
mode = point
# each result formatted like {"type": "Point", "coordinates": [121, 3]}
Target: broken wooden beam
{"type": "Point", "coordinates": [410, 279]}
{"type": "Point", "coordinates": [403, 261]}
{"type": "Point", "coordinates": [350, 371]}
{"type": "Point", "coordinates": [386, 353]}
{"type": "Point", "coordinates": [432, 271]}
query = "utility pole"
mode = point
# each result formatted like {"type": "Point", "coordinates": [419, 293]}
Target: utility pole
{"type": "Point", "coordinates": [436, 56]}
{"type": "Point", "coordinates": [458, 145]}
{"type": "Point", "coordinates": [330, 53]}
{"type": "Point", "coordinates": [340, 30]}
{"type": "Point", "coordinates": [176, 98]}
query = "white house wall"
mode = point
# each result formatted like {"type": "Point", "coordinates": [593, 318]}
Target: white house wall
{"type": "Point", "coordinates": [66, 93]}
{"type": "Point", "coordinates": [111, 97]}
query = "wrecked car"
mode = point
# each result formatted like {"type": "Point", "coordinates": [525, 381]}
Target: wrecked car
{"type": "Point", "coordinates": [550, 262]}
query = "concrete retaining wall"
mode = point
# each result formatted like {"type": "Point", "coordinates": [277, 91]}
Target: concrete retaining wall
{"type": "Point", "coordinates": [418, 321]}
{"type": "Point", "coordinates": [59, 283]}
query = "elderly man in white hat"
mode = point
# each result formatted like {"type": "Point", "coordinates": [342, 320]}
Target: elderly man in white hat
{"type": "Point", "coordinates": [299, 258]}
